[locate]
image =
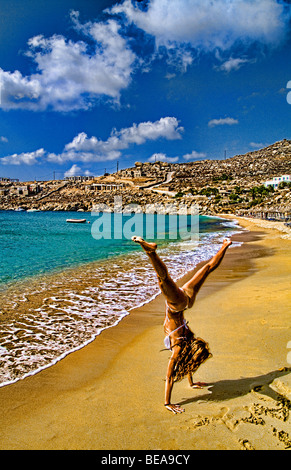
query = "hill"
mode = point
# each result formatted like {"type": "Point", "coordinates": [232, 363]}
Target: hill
{"type": "Point", "coordinates": [233, 185]}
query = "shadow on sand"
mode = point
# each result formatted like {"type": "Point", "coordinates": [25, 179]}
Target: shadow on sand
{"type": "Point", "coordinates": [228, 389]}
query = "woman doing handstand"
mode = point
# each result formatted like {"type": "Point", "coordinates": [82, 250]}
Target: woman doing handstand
{"type": "Point", "coordinates": [188, 352]}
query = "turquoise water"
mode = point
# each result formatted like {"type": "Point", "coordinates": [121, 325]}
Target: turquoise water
{"type": "Point", "coordinates": [61, 286]}
{"type": "Point", "coordinates": [33, 243]}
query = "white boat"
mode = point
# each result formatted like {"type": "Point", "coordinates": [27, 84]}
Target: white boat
{"type": "Point", "coordinates": [19, 209]}
{"type": "Point", "coordinates": [32, 210]}
{"type": "Point", "coordinates": [76, 221]}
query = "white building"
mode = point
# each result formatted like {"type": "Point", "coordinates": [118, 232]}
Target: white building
{"type": "Point", "coordinates": [78, 178]}
{"type": "Point", "coordinates": [277, 180]}
{"type": "Point", "coordinates": [106, 187]}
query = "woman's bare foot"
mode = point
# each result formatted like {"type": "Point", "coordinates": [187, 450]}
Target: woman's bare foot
{"type": "Point", "coordinates": [227, 242]}
{"type": "Point", "coordinates": [199, 385]}
{"type": "Point", "coordinates": [148, 247]}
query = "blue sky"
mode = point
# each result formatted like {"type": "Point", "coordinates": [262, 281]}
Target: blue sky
{"type": "Point", "coordinates": [89, 85]}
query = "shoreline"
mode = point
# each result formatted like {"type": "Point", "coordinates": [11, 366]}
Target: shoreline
{"type": "Point", "coordinates": [115, 402]}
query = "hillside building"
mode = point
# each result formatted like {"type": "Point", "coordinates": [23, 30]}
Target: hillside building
{"type": "Point", "coordinates": [277, 180]}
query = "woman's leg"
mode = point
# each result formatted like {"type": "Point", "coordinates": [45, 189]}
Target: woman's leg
{"type": "Point", "coordinates": [176, 298]}
{"type": "Point", "coordinates": [192, 287]}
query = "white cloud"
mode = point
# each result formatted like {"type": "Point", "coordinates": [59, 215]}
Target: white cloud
{"type": "Point", "coordinates": [257, 145]}
{"type": "Point", "coordinates": [183, 28]}
{"type": "Point", "coordinates": [86, 149]}
{"type": "Point", "coordinates": [162, 157]}
{"type": "Point", "coordinates": [195, 156]}
{"type": "Point", "coordinates": [27, 158]}
{"type": "Point", "coordinates": [75, 170]}
{"type": "Point", "coordinates": [233, 64]}
{"type": "Point", "coordinates": [167, 128]}
{"type": "Point", "coordinates": [207, 24]}
{"type": "Point", "coordinates": [3, 139]}
{"type": "Point", "coordinates": [222, 122]}
{"type": "Point", "coordinates": [70, 75]}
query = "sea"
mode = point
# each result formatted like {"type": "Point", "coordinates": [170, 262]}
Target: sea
{"type": "Point", "coordinates": [62, 284]}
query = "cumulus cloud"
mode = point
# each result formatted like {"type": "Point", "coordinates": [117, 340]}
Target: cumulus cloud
{"type": "Point", "coordinates": [195, 156]}
{"type": "Point", "coordinates": [207, 25]}
{"type": "Point", "coordinates": [222, 122]}
{"type": "Point", "coordinates": [28, 158]}
{"type": "Point", "coordinates": [75, 170]}
{"type": "Point", "coordinates": [71, 75]}
{"type": "Point", "coordinates": [162, 157]}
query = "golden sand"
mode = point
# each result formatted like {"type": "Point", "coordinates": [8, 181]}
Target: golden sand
{"type": "Point", "coordinates": [109, 395]}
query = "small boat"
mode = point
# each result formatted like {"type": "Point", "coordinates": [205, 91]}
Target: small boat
{"type": "Point", "coordinates": [76, 221]}
{"type": "Point", "coordinates": [32, 210]}
{"type": "Point", "coordinates": [19, 209]}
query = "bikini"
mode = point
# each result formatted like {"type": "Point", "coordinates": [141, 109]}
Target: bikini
{"type": "Point", "coordinates": [167, 340]}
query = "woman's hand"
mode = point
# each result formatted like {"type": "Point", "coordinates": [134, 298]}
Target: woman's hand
{"type": "Point", "coordinates": [174, 408]}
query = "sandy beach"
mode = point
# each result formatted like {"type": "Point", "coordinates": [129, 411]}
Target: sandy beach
{"type": "Point", "coordinates": [109, 395]}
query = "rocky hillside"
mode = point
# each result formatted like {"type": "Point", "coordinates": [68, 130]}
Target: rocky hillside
{"type": "Point", "coordinates": [249, 169]}
{"type": "Point", "coordinates": [233, 185]}
{"type": "Point", "coordinates": [253, 167]}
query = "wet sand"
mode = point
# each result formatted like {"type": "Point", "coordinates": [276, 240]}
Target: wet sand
{"type": "Point", "coordinates": [109, 395]}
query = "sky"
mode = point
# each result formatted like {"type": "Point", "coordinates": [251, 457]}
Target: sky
{"type": "Point", "coordinates": [92, 86]}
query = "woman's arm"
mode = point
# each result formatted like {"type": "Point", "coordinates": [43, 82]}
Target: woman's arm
{"type": "Point", "coordinates": [170, 382]}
